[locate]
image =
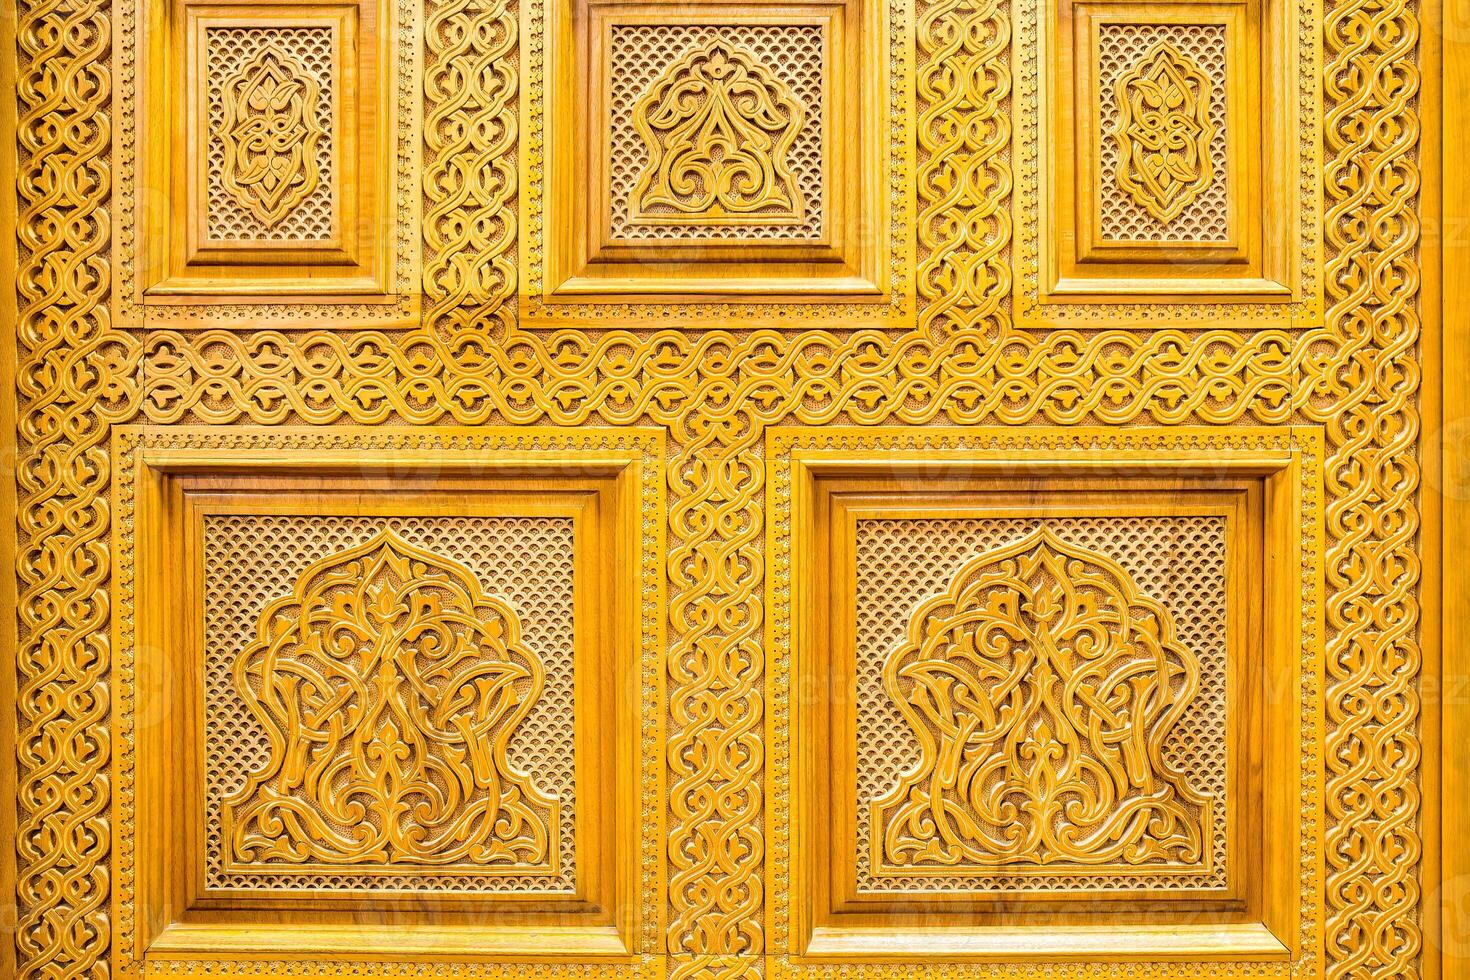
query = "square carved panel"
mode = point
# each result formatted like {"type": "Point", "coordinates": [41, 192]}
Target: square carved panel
{"type": "Point", "coordinates": [1177, 184]}
{"type": "Point", "coordinates": [741, 161]}
{"type": "Point", "coordinates": [389, 679]}
{"type": "Point", "coordinates": [1029, 695]}
{"type": "Point", "coordinates": [478, 603]}
{"type": "Point", "coordinates": [697, 170]}
{"type": "Point", "coordinates": [1155, 583]}
{"type": "Point", "coordinates": [263, 184]}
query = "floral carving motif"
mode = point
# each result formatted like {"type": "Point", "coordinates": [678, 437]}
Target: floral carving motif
{"type": "Point", "coordinates": [1164, 131]}
{"type": "Point", "coordinates": [270, 135]}
{"type": "Point", "coordinates": [388, 686]}
{"type": "Point", "coordinates": [1041, 686]}
{"type": "Point", "coordinates": [718, 127]}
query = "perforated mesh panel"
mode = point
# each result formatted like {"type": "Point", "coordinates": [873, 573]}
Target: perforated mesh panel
{"type": "Point", "coordinates": [1206, 219]}
{"type": "Point", "coordinates": [1178, 561]}
{"type": "Point", "coordinates": [250, 561]}
{"type": "Point", "coordinates": [639, 57]}
{"type": "Point", "coordinates": [228, 51]}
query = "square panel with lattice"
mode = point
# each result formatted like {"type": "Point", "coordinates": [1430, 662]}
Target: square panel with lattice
{"type": "Point", "coordinates": [719, 160]}
{"type": "Point", "coordinates": [473, 601]}
{"type": "Point", "coordinates": [1028, 696]}
{"type": "Point", "coordinates": [716, 132]}
{"type": "Point", "coordinates": [1156, 585]}
{"type": "Point", "coordinates": [379, 674]}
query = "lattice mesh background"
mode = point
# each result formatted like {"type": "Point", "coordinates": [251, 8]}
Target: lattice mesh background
{"type": "Point", "coordinates": [639, 56]}
{"type": "Point", "coordinates": [1121, 46]}
{"type": "Point", "coordinates": [253, 560]}
{"type": "Point", "coordinates": [227, 50]}
{"type": "Point", "coordinates": [1178, 561]}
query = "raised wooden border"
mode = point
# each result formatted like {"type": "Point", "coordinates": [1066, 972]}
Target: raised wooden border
{"type": "Point", "coordinates": [613, 924]}
{"type": "Point", "coordinates": [1285, 460]}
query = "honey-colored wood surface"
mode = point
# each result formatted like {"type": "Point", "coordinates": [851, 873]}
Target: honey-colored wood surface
{"type": "Point", "coordinates": [1106, 355]}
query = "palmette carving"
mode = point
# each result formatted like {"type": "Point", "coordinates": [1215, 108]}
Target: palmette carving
{"type": "Point", "coordinates": [388, 685]}
{"type": "Point", "coordinates": [270, 133]}
{"type": "Point", "coordinates": [904, 562]}
{"type": "Point", "coordinates": [1041, 686]}
{"type": "Point", "coordinates": [1120, 48]}
{"type": "Point", "coordinates": [718, 128]}
{"type": "Point", "coordinates": [1163, 131]}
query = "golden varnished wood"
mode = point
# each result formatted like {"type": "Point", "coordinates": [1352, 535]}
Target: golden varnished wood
{"type": "Point", "coordinates": [853, 487]}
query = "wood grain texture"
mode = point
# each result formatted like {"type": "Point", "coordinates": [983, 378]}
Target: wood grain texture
{"type": "Point", "coordinates": [961, 346]}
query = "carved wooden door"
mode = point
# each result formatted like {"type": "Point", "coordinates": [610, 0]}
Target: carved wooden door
{"type": "Point", "coordinates": [711, 490]}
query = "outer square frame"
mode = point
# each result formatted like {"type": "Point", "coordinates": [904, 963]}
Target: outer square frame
{"type": "Point", "coordinates": [1273, 278]}
{"type": "Point", "coordinates": [863, 277]}
{"type": "Point", "coordinates": [1287, 462]}
{"type": "Point", "coordinates": [612, 929]}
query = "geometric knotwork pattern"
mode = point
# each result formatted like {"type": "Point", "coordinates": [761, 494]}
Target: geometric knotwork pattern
{"type": "Point", "coordinates": [384, 716]}
{"type": "Point", "coordinates": [270, 147]}
{"type": "Point", "coordinates": [716, 132]}
{"type": "Point", "coordinates": [1162, 99]}
{"type": "Point", "coordinates": [1030, 716]}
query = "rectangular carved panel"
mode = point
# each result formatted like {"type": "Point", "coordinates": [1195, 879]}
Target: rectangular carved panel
{"type": "Point", "coordinates": [334, 643]}
{"type": "Point", "coordinates": [262, 175]}
{"type": "Point", "coordinates": [1163, 173]}
{"type": "Point", "coordinates": [1176, 180]}
{"type": "Point", "coordinates": [1008, 612]}
{"type": "Point", "coordinates": [718, 160]}
{"type": "Point", "coordinates": [1029, 682]}
{"type": "Point", "coordinates": [694, 110]}
{"type": "Point", "coordinates": [271, 150]}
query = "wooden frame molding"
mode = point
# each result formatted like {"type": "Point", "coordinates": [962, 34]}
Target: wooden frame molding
{"type": "Point", "coordinates": [177, 483]}
{"type": "Point", "coordinates": [316, 215]}
{"type": "Point", "coordinates": [850, 269]}
{"type": "Point", "coordinates": [1239, 243]}
{"type": "Point", "coordinates": [825, 482]}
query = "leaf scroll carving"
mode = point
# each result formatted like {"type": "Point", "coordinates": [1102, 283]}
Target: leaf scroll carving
{"type": "Point", "coordinates": [388, 685]}
{"type": "Point", "coordinates": [1041, 686]}
{"type": "Point", "coordinates": [1163, 132]}
{"type": "Point", "coordinates": [719, 127]}
{"type": "Point", "coordinates": [270, 135]}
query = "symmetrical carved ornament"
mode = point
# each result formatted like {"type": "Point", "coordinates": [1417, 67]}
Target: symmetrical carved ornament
{"type": "Point", "coordinates": [1041, 686]}
{"type": "Point", "coordinates": [388, 686]}
{"type": "Point", "coordinates": [270, 134]}
{"type": "Point", "coordinates": [1163, 131]}
{"type": "Point", "coordinates": [718, 129]}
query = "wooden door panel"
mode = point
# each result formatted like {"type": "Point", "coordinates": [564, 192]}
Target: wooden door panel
{"type": "Point", "coordinates": [608, 488]}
